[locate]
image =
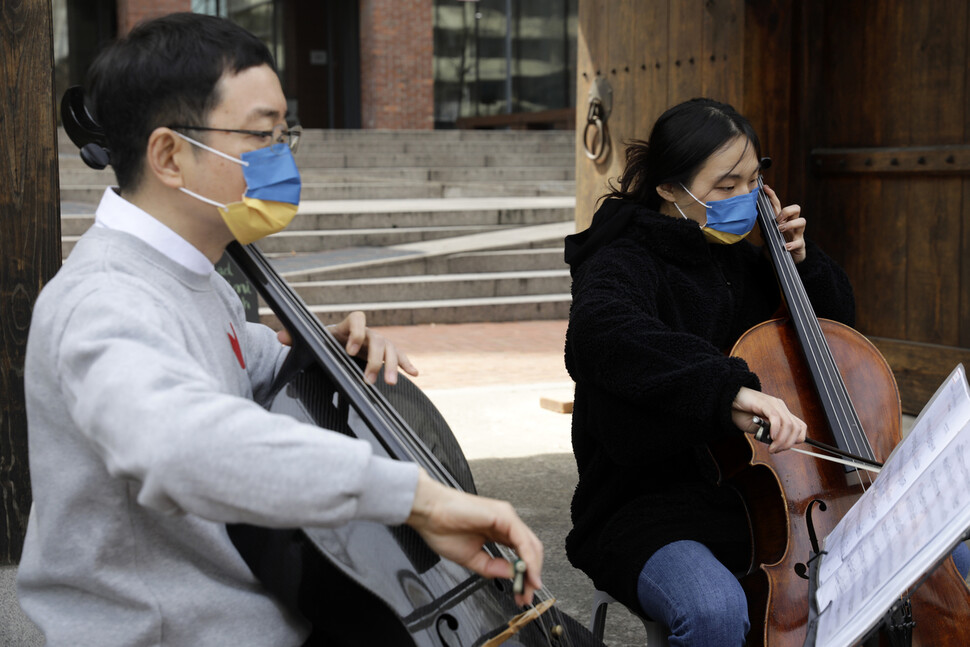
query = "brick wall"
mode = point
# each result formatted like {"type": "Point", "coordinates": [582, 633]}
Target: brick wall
{"type": "Point", "coordinates": [132, 12]}
{"type": "Point", "coordinates": [397, 68]}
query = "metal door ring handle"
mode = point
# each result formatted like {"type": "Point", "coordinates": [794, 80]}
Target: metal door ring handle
{"type": "Point", "coordinates": [600, 131]}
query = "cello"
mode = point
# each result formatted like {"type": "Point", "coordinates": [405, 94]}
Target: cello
{"type": "Point", "coordinates": [835, 380]}
{"type": "Point", "coordinates": [386, 586]}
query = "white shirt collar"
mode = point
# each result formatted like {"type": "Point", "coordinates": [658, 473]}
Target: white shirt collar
{"type": "Point", "coordinates": [118, 214]}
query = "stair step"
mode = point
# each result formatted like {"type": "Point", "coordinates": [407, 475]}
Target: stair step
{"type": "Point", "coordinates": [500, 174]}
{"type": "Point", "coordinates": [520, 260]}
{"type": "Point", "coordinates": [405, 147]}
{"type": "Point", "coordinates": [377, 135]}
{"type": "Point", "coordinates": [413, 137]}
{"type": "Point", "coordinates": [437, 287]}
{"type": "Point", "coordinates": [350, 214]}
{"type": "Point", "coordinates": [530, 258]}
{"type": "Point", "coordinates": [437, 173]}
{"type": "Point", "coordinates": [417, 257]}
{"type": "Point", "coordinates": [388, 190]}
{"type": "Point", "coordinates": [406, 313]}
{"type": "Point", "coordinates": [360, 214]}
{"type": "Point", "coordinates": [296, 242]}
{"type": "Point", "coordinates": [319, 240]}
{"type": "Point", "coordinates": [75, 225]}
{"type": "Point", "coordinates": [347, 168]}
{"type": "Point", "coordinates": [378, 190]}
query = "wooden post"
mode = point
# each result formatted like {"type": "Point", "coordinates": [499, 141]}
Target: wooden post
{"type": "Point", "coordinates": [30, 232]}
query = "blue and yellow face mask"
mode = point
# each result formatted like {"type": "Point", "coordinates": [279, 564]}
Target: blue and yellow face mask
{"type": "Point", "coordinates": [272, 192]}
{"type": "Point", "coordinates": [728, 220]}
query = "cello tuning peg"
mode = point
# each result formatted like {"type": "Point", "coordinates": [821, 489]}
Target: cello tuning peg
{"type": "Point", "coordinates": [518, 576]}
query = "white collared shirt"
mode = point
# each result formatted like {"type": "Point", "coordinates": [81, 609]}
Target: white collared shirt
{"type": "Point", "coordinates": [114, 212]}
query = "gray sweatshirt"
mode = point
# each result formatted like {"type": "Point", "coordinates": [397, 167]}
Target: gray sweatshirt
{"type": "Point", "coordinates": [146, 435]}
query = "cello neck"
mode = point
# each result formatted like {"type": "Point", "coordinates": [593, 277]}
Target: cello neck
{"type": "Point", "coordinates": [836, 403]}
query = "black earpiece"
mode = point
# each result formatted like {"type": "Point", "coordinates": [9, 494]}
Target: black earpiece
{"type": "Point", "coordinates": [83, 130]}
{"type": "Point", "coordinates": [95, 156]}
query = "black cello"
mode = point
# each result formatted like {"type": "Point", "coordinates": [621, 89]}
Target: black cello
{"type": "Point", "coordinates": [835, 380]}
{"type": "Point", "coordinates": [384, 584]}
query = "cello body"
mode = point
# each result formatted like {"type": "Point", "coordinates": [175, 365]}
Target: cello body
{"type": "Point", "coordinates": [779, 488]}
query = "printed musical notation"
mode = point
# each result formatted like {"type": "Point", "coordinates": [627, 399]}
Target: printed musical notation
{"type": "Point", "coordinates": [914, 513]}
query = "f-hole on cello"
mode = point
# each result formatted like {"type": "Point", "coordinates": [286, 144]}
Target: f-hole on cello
{"type": "Point", "coordinates": [835, 380]}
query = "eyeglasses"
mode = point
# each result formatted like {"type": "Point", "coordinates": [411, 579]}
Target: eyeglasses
{"type": "Point", "coordinates": [279, 135]}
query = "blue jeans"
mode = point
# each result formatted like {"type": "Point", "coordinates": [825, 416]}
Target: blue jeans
{"type": "Point", "coordinates": [695, 596]}
{"type": "Point", "coordinates": [961, 557]}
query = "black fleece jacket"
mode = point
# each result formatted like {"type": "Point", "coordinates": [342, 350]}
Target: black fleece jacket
{"type": "Point", "coordinates": [655, 307]}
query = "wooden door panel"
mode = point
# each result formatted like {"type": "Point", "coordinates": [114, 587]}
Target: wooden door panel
{"type": "Point", "coordinates": [890, 161]}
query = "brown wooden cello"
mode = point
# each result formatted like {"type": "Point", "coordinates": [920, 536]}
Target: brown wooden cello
{"type": "Point", "coordinates": [835, 380]}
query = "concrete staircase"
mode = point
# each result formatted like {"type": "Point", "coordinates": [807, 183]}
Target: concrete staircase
{"type": "Point", "coordinates": [411, 226]}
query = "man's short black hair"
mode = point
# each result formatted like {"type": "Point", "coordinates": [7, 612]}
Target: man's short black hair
{"type": "Point", "coordinates": [165, 72]}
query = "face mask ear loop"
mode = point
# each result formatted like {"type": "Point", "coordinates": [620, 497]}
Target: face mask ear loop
{"type": "Point", "coordinates": [212, 150]}
{"type": "Point", "coordinates": [203, 199]}
{"type": "Point", "coordinates": [706, 206]}
{"type": "Point", "coordinates": [677, 206]}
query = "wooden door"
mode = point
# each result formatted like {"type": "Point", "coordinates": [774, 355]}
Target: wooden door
{"type": "Point", "coordinates": [887, 187]}
{"type": "Point", "coordinates": [864, 108]}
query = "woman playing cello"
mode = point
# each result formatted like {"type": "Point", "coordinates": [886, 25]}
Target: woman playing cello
{"type": "Point", "coordinates": [663, 284]}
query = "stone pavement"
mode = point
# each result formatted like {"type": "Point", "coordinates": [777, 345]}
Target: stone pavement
{"type": "Point", "coordinates": [487, 379]}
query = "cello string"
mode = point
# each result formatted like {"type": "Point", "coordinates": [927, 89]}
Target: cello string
{"type": "Point", "coordinates": [832, 388]}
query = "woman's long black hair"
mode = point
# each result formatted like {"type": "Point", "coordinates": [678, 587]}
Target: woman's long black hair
{"type": "Point", "coordinates": [681, 140]}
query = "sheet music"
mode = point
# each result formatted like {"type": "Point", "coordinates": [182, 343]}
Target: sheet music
{"type": "Point", "coordinates": [939, 422]}
{"type": "Point", "coordinates": [914, 514]}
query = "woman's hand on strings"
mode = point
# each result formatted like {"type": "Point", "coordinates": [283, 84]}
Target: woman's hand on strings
{"type": "Point", "coordinates": [361, 341]}
{"type": "Point", "coordinates": [456, 525]}
{"type": "Point", "coordinates": [791, 224]}
{"type": "Point", "coordinates": [787, 429]}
